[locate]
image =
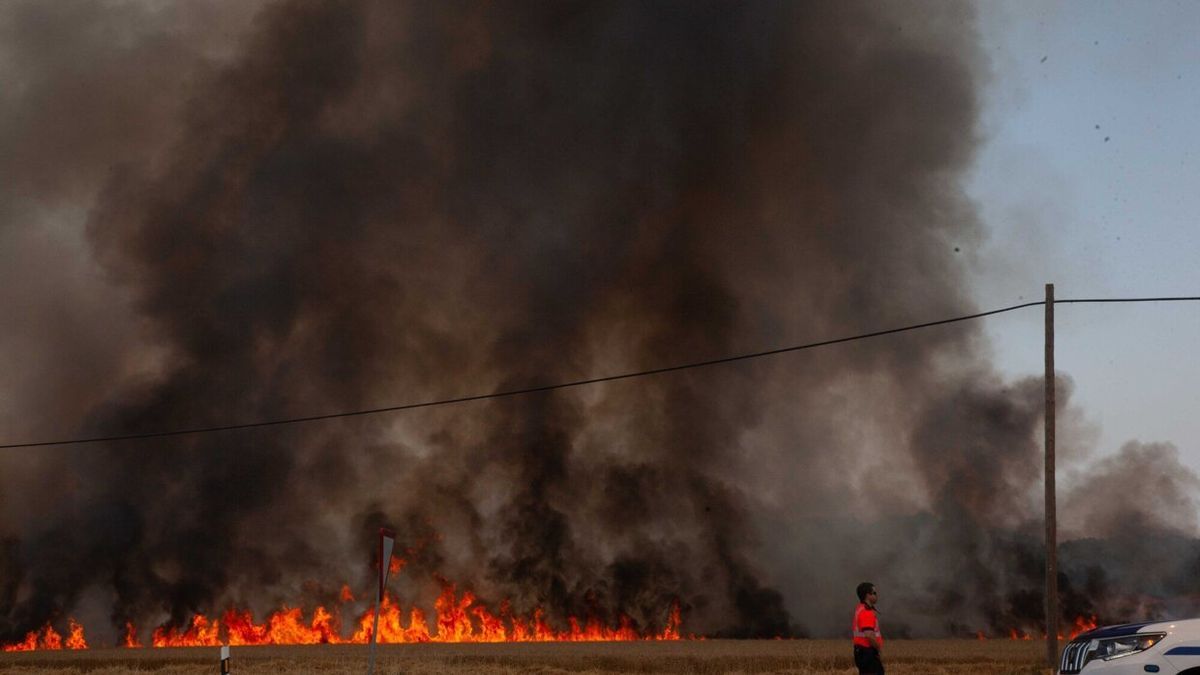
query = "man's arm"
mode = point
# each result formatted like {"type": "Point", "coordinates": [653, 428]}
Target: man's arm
{"type": "Point", "coordinates": [873, 638]}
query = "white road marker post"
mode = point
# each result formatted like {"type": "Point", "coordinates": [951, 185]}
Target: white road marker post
{"type": "Point", "coordinates": [225, 660]}
{"type": "Point", "coordinates": [387, 540]}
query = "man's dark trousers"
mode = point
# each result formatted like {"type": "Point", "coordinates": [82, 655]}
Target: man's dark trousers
{"type": "Point", "coordinates": [867, 660]}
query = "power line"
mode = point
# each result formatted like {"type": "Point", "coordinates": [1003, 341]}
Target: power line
{"type": "Point", "coordinates": [576, 383]}
{"type": "Point", "coordinates": [1170, 299]}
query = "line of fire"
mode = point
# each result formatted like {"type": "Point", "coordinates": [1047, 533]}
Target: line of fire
{"type": "Point", "coordinates": [457, 617]}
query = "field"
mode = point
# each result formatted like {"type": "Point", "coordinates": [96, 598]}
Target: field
{"type": "Point", "coordinates": [825, 657]}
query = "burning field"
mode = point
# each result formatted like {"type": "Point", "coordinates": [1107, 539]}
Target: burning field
{"type": "Point", "coordinates": [221, 213]}
{"type": "Point", "coordinates": [798, 657]}
{"type": "Point", "coordinates": [458, 619]}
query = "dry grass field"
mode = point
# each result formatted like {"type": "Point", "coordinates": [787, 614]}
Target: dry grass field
{"type": "Point", "coordinates": [825, 657]}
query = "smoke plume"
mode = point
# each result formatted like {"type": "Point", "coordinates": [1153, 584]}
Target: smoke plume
{"type": "Point", "coordinates": [218, 213]}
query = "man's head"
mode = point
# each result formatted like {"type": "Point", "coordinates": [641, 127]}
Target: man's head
{"type": "Point", "coordinates": [865, 589]}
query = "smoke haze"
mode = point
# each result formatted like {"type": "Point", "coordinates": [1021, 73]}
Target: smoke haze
{"type": "Point", "coordinates": [217, 213]}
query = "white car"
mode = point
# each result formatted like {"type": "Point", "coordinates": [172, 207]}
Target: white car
{"type": "Point", "coordinates": [1166, 647]}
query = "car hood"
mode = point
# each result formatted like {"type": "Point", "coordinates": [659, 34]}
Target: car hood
{"type": "Point", "coordinates": [1121, 630]}
{"type": "Point", "coordinates": [1188, 629]}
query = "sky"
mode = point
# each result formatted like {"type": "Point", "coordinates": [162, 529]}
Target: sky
{"type": "Point", "coordinates": [1087, 179]}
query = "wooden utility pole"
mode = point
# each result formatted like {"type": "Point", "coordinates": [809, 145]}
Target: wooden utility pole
{"type": "Point", "coordinates": [1051, 532]}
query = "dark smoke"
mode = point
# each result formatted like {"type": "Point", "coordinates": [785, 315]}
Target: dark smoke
{"type": "Point", "coordinates": [260, 212]}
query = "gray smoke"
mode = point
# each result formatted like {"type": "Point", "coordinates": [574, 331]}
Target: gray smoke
{"type": "Point", "coordinates": [222, 212]}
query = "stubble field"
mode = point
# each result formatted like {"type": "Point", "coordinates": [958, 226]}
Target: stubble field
{"type": "Point", "coordinates": [824, 657]}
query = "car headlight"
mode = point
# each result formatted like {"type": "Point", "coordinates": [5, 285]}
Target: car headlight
{"type": "Point", "coordinates": [1115, 648]}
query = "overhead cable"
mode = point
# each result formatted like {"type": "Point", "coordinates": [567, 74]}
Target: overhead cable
{"type": "Point", "coordinates": [574, 383]}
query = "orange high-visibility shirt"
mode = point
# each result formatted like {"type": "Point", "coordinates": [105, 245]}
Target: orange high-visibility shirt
{"type": "Point", "coordinates": [866, 618]}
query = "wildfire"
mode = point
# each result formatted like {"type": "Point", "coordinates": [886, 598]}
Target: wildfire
{"type": "Point", "coordinates": [459, 618]}
{"type": "Point", "coordinates": [1080, 625]}
{"type": "Point", "coordinates": [203, 633]}
{"type": "Point", "coordinates": [1083, 625]}
{"type": "Point", "coordinates": [48, 638]}
{"type": "Point", "coordinates": [130, 636]}
{"type": "Point", "coordinates": [75, 638]}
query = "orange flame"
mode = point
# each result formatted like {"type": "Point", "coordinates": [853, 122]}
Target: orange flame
{"type": "Point", "coordinates": [130, 639]}
{"type": "Point", "coordinates": [50, 639]}
{"type": "Point", "coordinates": [240, 628]}
{"type": "Point", "coordinates": [453, 623]}
{"type": "Point", "coordinates": [75, 640]}
{"type": "Point", "coordinates": [29, 644]}
{"type": "Point", "coordinates": [203, 633]}
{"type": "Point", "coordinates": [459, 618]}
{"type": "Point", "coordinates": [1080, 625]}
{"type": "Point", "coordinates": [1083, 625]}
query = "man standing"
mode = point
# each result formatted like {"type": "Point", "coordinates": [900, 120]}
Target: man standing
{"type": "Point", "coordinates": [868, 639]}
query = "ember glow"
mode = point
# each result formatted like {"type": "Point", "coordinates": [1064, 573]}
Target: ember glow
{"type": "Point", "coordinates": [1080, 625]}
{"type": "Point", "coordinates": [459, 617]}
{"type": "Point", "coordinates": [1083, 624]}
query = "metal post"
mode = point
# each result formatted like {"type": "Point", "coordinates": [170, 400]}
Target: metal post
{"type": "Point", "coordinates": [1051, 532]}
{"type": "Point", "coordinates": [387, 540]}
{"type": "Point", "coordinates": [375, 628]}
